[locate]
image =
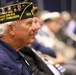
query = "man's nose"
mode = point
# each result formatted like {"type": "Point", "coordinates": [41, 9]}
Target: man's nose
{"type": "Point", "coordinates": [36, 26]}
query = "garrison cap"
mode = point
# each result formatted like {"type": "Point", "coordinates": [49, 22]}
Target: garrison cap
{"type": "Point", "coordinates": [16, 10]}
{"type": "Point", "coordinates": [35, 10]}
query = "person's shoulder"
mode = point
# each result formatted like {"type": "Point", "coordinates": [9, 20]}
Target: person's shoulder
{"type": "Point", "coordinates": [4, 58]}
{"type": "Point", "coordinates": [2, 53]}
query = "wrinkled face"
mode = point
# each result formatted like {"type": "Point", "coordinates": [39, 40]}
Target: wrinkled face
{"type": "Point", "coordinates": [26, 31]}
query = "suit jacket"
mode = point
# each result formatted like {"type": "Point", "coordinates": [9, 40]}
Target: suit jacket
{"type": "Point", "coordinates": [37, 65]}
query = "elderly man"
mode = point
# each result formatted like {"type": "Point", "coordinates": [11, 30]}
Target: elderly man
{"type": "Point", "coordinates": [17, 30]}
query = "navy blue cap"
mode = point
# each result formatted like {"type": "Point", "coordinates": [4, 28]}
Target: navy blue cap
{"type": "Point", "coordinates": [16, 10]}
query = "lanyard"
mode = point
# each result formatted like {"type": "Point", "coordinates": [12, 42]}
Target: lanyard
{"type": "Point", "coordinates": [24, 62]}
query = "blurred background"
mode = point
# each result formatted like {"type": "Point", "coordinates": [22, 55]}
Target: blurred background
{"type": "Point", "coordinates": [56, 5]}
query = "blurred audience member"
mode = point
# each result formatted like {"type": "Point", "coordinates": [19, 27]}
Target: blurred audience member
{"type": "Point", "coordinates": [70, 29]}
{"type": "Point", "coordinates": [46, 36]}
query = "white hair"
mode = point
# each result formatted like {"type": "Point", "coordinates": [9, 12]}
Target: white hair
{"type": "Point", "coordinates": [3, 27]}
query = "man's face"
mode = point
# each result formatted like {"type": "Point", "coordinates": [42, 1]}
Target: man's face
{"type": "Point", "coordinates": [26, 31]}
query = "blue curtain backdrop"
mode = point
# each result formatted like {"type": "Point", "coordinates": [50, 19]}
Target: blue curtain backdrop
{"type": "Point", "coordinates": [52, 5]}
{"type": "Point", "coordinates": [55, 5]}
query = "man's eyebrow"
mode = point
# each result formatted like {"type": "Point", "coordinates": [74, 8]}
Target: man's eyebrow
{"type": "Point", "coordinates": [29, 21]}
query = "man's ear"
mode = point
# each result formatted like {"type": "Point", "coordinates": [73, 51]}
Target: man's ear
{"type": "Point", "coordinates": [11, 29]}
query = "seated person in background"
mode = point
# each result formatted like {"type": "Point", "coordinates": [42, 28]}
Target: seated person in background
{"type": "Point", "coordinates": [70, 29]}
{"type": "Point", "coordinates": [45, 40]}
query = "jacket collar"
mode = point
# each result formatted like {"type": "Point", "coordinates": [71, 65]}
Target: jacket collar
{"type": "Point", "coordinates": [9, 50]}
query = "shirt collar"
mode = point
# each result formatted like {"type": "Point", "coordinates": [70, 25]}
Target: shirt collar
{"type": "Point", "coordinates": [9, 50]}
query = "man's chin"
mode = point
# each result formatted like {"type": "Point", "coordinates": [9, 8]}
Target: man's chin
{"type": "Point", "coordinates": [32, 41]}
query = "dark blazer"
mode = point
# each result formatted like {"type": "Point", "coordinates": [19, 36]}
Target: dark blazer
{"type": "Point", "coordinates": [37, 65]}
